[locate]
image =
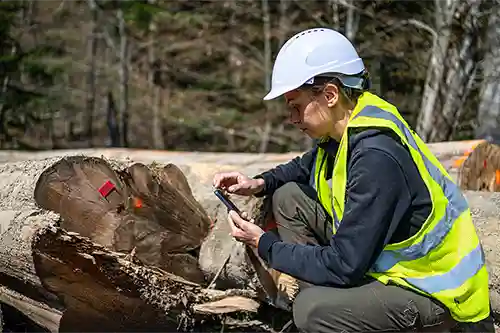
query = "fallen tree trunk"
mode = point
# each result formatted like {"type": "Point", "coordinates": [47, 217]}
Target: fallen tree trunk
{"type": "Point", "coordinates": [19, 309]}
{"type": "Point", "coordinates": [128, 296]}
{"type": "Point", "coordinates": [87, 280]}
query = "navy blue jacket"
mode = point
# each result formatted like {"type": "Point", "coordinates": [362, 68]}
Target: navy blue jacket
{"type": "Point", "coordinates": [386, 202]}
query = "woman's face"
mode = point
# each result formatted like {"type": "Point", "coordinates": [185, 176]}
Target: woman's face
{"type": "Point", "coordinates": [312, 114]}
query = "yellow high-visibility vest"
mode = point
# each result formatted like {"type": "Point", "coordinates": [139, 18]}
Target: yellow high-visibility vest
{"type": "Point", "coordinates": [444, 259]}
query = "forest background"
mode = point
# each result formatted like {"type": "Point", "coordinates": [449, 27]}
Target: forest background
{"type": "Point", "coordinates": [190, 75]}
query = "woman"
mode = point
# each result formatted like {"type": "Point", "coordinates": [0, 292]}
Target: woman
{"type": "Point", "coordinates": [369, 217]}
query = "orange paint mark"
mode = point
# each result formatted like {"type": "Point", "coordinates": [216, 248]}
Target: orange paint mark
{"type": "Point", "coordinates": [137, 203]}
{"type": "Point", "coordinates": [497, 177]}
{"type": "Point", "coordinates": [459, 161]}
{"type": "Point", "coordinates": [469, 151]}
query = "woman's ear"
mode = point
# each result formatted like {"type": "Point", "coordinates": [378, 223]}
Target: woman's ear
{"type": "Point", "coordinates": [332, 94]}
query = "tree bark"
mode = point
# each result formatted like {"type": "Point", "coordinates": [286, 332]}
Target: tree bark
{"type": "Point", "coordinates": [488, 115]}
{"type": "Point", "coordinates": [155, 87]}
{"type": "Point", "coordinates": [443, 18]}
{"type": "Point", "coordinates": [87, 280]}
{"type": "Point", "coordinates": [455, 56]}
{"type": "Point", "coordinates": [123, 71]}
{"type": "Point", "coordinates": [266, 24]}
{"type": "Point", "coordinates": [91, 72]}
{"type": "Point", "coordinates": [351, 22]}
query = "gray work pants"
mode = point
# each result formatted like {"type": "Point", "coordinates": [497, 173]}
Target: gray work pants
{"type": "Point", "coordinates": [368, 307]}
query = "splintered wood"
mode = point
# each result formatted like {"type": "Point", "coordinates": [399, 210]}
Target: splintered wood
{"type": "Point", "coordinates": [87, 259]}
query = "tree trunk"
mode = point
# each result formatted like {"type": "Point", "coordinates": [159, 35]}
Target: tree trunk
{"type": "Point", "coordinates": [488, 116]}
{"type": "Point", "coordinates": [463, 57]}
{"type": "Point", "coordinates": [101, 272]}
{"type": "Point", "coordinates": [351, 22]}
{"type": "Point", "coordinates": [155, 87]}
{"type": "Point", "coordinates": [123, 71]}
{"type": "Point", "coordinates": [91, 72]}
{"type": "Point", "coordinates": [455, 56]}
{"type": "Point", "coordinates": [234, 57]}
{"type": "Point", "coordinates": [443, 18]}
{"type": "Point", "coordinates": [333, 7]}
{"type": "Point", "coordinates": [266, 24]}
{"type": "Point", "coordinates": [112, 121]}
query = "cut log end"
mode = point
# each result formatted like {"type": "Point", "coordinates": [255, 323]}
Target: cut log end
{"type": "Point", "coordinates": [480, 170]}
{"type": "Point", "coordinates": [122, 246]}
{"type": "Point", "coordinates": [136, 208]}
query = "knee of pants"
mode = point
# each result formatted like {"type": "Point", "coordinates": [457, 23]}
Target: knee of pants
{"type": "Point", "coordinates": [307, 310]}
{"type": "Point", "coordinates": [284, 197]}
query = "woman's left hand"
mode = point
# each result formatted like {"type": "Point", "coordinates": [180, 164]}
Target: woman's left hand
{"type": "Point", "coordinates": [243, 230]}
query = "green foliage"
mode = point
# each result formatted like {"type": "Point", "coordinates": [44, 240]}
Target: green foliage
{"type": "Point", "coordinates": [208, 61]}
{"type": "Point", "coordinates": [141, 13]}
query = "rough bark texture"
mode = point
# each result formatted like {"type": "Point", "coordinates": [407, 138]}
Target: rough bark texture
{"type": "Point", "coordinates": [57, 277]}
{"type": "Point", "coordinates": [120, 295]}
{"type": "Point", "coordinates": [150, 210]}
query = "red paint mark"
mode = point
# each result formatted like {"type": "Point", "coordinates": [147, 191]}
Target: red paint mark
{"type": "Point", "coordinates": [106, 188]}
{"type": "Point", "coordinates": [271, 225]}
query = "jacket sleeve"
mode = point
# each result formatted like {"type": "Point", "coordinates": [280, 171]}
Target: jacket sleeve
{"type": "Point", "coordinates": [374, 201]}
{"type": "Point", "coordinates": [297, 170]}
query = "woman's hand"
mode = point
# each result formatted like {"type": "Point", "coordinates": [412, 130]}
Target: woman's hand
{"type": "Point", "coordinates": [238, 183]}
{"type": "Point", "coordinates": [243, 230]}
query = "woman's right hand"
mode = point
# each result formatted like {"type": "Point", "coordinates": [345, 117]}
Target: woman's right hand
{"type": "Point", "coordinates": [237, 183]}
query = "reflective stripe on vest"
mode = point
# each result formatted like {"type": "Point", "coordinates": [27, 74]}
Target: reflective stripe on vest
{"type": "Point", "coordinates": [469, 265]}
{"type": "Point", "coordinates": [456, 203]}
{"type": "Point", "coordinates": [453, 271]}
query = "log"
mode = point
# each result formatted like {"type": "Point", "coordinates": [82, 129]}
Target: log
{"type": "Point", "coordinates": [162, 223]}
{"type": "Point", "coordinates": [480, 170]}
{"type": "Point", "coordinates": [69, 273]}
{"type": "Point", "coordinates": [37, 314]}
{"type": "Point", "coordinates": [68, 276]}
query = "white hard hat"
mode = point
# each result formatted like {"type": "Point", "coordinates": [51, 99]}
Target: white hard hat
{"type": "Point", "coordinates": [310, 53]}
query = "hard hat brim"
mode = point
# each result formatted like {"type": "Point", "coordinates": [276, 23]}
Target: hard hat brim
{"type": "Point", "coordinates": [274, 93]}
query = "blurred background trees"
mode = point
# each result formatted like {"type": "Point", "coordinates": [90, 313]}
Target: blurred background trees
{"type": "Point", "coordinates": [190, 75]}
